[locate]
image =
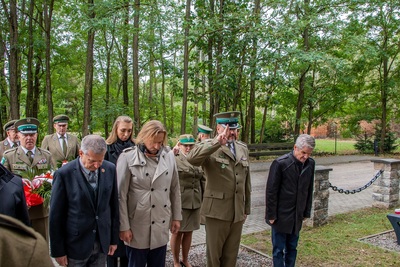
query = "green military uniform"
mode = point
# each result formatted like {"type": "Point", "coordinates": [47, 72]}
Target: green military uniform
{"type": "Point", "coordinates": [20, 245]}
{"type": "Point", "coordinates": [226, 200]}
{"type": "Point", "coordinates": [5, 144]}
{"type": "Point", "coordinates": [192, 183]}
{"type": "Point", "coordinates": [52, 143]}
{"type": "Point", "coordinates": [16, 161]}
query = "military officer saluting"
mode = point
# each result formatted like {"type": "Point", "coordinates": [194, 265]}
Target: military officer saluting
{"type": "Point", "coordinates": [226, 199]}
{"type": "Point", "coordinates": [203, 132]}
{"type": "Point", "coordinates": [28, 156]}
{"type": "Point", "coordinates": [12, 137]}
{"type": "Point", "coordinates": [62, 146]}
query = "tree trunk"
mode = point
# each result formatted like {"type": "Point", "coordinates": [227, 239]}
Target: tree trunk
{"type": "Point", "coordinates": [125, 44]}
{"type": "Point", "coordinates": [88, 77]}
{"type": "Point", "coordinates": [48, 13]}
{"type": "Point", "coordinates": [135, 48]}
{"type": "Point", "coordinates": [185, 67]}
{"type": "Point", "coordinates": [15, 87]}
{"type": "Point", "coordinates": [29, 72]}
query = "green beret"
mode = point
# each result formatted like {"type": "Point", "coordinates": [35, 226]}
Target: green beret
{"type": "Point", "coordinates": [204, 129]}
{"type": "Point", "coordinates": [27, 125]}
{"type": "Point", "coordinates": [9, 125]}
{"type": "Point", "coordinates": [230, 118]}
{"type": "Point", "coordinates": [186, 139]}
{"type": "Point", "coordinates": [61, 119]}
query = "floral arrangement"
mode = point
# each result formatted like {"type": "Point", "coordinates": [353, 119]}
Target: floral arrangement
{"type": "Point", "coordinates": [37, 188]}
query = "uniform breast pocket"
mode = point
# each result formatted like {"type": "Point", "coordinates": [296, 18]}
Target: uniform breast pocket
{"type": "Point", "coordinates": [222, 163]}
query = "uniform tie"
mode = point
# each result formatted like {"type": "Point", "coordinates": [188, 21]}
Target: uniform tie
{"type": "Point", "coordinates": [64, 145]}
{"type": "Point", "coordinates": [232, 148]}
{"type": "Point", "coordinates": [29, 154]}
{"type": "Point", "coordinates": [92, 179]}
{"type": "Point", "coordinates": [15, 145]}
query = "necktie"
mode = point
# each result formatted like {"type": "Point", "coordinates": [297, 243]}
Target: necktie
{"type": "Point", "coordinates": [64, 145]}
{"type": "Point", "coordinates": [92, 179]}
{"type": "Point", "coordinates": [16, 145]}
{"type": "Point", "coordinates": [232, 148]}
{"type": "Point", "coordinates": [29, 154]}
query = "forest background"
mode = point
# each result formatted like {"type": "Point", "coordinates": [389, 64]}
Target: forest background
{"type": "Point", "coordinates": [287, 66]}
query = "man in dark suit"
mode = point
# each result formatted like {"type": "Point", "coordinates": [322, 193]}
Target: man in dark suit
{"type": "Point", "coordinates": [62, 145]}
{"type": "Point", "coordinates": [12, 196]}
{"type": "Point", "coordinates": [84, 217]}
{"type": "Point", "coordinates": [288, 199]}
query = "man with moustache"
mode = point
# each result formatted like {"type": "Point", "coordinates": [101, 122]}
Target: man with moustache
{"type": "Point", "coordinates": [226, 199]}
{"type": "Point", "coordinates": [28, 157]}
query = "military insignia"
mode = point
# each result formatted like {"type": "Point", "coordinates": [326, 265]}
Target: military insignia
{"type": "Point", "coordinates": [3, 160]}
{"type": "Point", "coordinates": [42, 161]}
{"type": "Point", "coordinates": [223, 166]}
{"type": "Point", "coordinates": [28, 119]}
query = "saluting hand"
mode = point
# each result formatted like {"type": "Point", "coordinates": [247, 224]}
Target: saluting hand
{"type": "Point", "coordinates": [223, 137]}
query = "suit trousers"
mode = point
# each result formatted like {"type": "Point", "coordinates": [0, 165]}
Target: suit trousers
{"type": "Point", "coordinates": [96, 259]}
{"type": "Point", "coordinates": [284, 248]}
{"type": "Point", "coordinates": [222, 242]}
{"type": "Point", "coordinates": [151, 257]}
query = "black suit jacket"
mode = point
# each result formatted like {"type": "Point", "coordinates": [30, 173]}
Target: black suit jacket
{"type": "Point", "coordinates": [75, 220]}
{"type": "Point", "coordinates": [12, 196]}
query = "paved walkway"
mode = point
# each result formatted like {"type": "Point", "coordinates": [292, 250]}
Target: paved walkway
{"type": "Point", "coordinates": [348, 172]}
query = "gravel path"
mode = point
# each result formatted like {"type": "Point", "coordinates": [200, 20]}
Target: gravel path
{"type": "Point", "coordinates": [385, 240]}
{"type": "Point", "coordinates": [246, 257]}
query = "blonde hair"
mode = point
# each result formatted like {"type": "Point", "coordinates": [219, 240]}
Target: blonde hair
{"type": "Point", "coordinates": [149, 130]}
{"type": "Point", "coordinates": [113, 135]}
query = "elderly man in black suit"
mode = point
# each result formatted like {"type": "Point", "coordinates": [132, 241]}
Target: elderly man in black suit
{"type": "Point", "coordinates": [84, 217]}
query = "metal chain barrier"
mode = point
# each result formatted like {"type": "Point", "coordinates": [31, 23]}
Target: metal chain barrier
{"type": "Point", "coordinates": [345, 191]}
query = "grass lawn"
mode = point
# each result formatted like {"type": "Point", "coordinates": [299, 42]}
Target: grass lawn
{"type": "Point", "coordinates": [343, 147]}
{"type": "Point", "coordinates": [336, 243]}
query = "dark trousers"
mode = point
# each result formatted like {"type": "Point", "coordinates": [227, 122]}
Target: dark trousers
{"type": "Point", "coordinates": [151, 257]}
{"type": "Point", "coordinates": [284, 248]}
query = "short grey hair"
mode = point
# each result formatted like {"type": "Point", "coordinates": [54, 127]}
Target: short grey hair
{"type": "Point", "coordinates": [305, 140]}
{"type": "Point", "coordinates": [94, 143]}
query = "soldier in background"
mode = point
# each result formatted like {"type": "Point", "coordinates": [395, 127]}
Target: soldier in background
{"type": "Point", "coordinates": [29, 158]}
{"type": "Point", "coordinates": [203, 132]}
{"type": "Point", "coordinates": [63, 146]}
{"type": "Point", "coordinates": [11, 139]}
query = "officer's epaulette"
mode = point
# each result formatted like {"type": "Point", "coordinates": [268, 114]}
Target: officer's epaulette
{"type": "Point", "coordinates": [205, 141]}
{"type": "Point", "coordinates": [241, 143]}
{"type": "Point", "coordinates": [11, 150]}
{"type": "Point", "coordinates": [44, 151]}
{"type": "Point", "coordinates": [128, 149]}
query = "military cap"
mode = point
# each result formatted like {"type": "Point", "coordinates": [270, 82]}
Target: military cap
{"type": "Point", "coordinates": [27, 125]}
{"type": "Point", "coordinates": [230, 118]}
{"type": "Point", "coordinates": [61, 119]}
{"type": "Point", "coordinates": [9, 125]}
{"type": "Point", "coordinates": [204, 129]}
{"type": "Point", "coordinates": [187, 139]}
